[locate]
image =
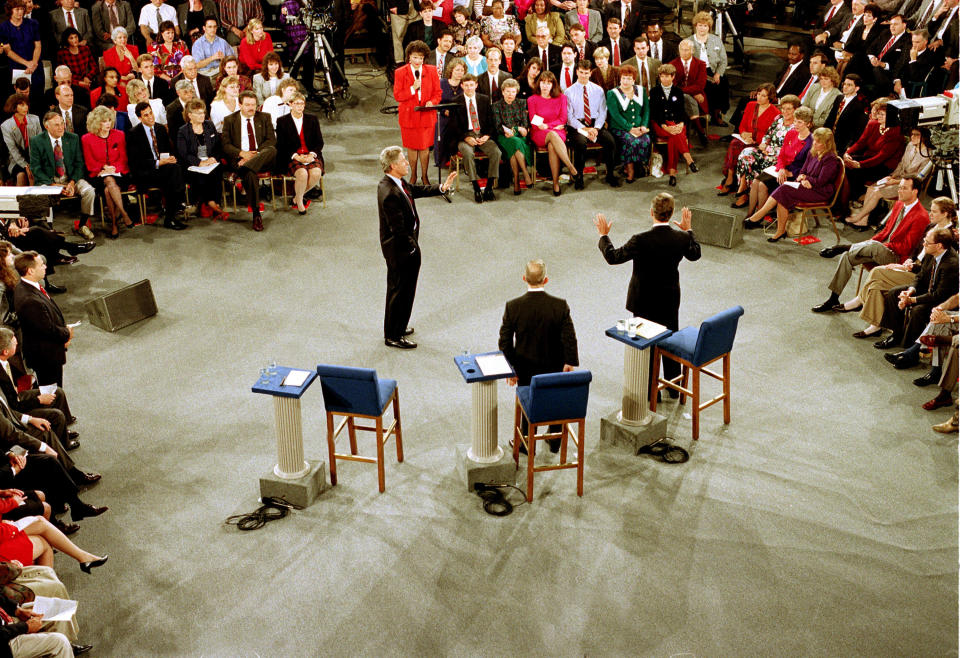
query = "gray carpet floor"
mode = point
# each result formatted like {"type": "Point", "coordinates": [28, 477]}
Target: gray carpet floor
{"type": "Point", "coordinates": [821, 521]}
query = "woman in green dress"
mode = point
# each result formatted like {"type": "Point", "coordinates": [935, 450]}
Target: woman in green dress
{"type": "Point", "coordinates": [513, 124]}
{"type": "Point", "coordinates": [628, 114]}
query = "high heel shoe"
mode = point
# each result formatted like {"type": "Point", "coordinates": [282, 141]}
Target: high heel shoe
{"type": "Point", "coordinates": [777, 238]}
{"type": "Point", "coordinates": [736, 203]}
{"type": "Point", "coordinates": [556, 191]}
{"type": "Point", "coordinates": [516, 186]}
{"type": "Point", "coordinates": [747, 224]}
{"type": "Point", "coordinates": [724, 191]}
{"type": "Point", "coordinates": [85, 567]}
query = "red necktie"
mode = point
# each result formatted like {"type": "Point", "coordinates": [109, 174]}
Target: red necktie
{"type": "Point", "coordinates": [843, 102]}
{"type": "Point", "coordinates": [58, 160]}
{"type": "Point", "coordinates": [850, 24]}
{"type": "Point", "coordinates": [587, 119]}
{"type": "Point", "coordinates": [251, 136]}
{"type": "Point", "coordinates": [44, 291]}
{"type": "Point", "coordinates": [580, 50]}
{"type": "Point", "coordinates": [887, 47]}
{"type": "Point", "coordinates": [474, 119]}
{"type": "Point", "coordinates": [830, 14]}
{"type": "Point", "coordinates": [566, 75]}
{"type": "Point", "coordinates": [70, 19]}
{"type": "Point", "coordinates": [616, 54]}
{"type": "Point", "coordinates": [805, 89]}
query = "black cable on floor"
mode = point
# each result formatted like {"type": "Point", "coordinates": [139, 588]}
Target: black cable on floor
{"type": "Point", "coordinates": [271, 510]}
{"type": "Point", "coordinates": [495, 502]}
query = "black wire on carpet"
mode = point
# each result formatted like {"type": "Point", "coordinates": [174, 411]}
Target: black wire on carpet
{"type": "Point", "coordinates": [495, 501]}
{"type": "Point", "coordinates": [271, 510]}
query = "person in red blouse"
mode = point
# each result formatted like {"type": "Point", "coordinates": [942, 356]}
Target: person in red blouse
{"type": "Point", "coordinates": [77, 58]}
{"type": "Point", "coordinates": [254, 46]}
{"type": "Point", "coordinates": [692, 79]}
{"type": "Point", "coordinates": [758, 116]}
{"type": "Point", "coordinates": [105, 154]}
{"type": "Point", "coordinates": [417, 84]}
{"type": "Point", "coordinates": [122, 56]}
{"type": "Point", "coordinates": [874, 155]}
{"type": "Point", "coordinates": [111, 85]}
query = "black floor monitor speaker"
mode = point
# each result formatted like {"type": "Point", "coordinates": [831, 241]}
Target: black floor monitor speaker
{"type": "Point", "coordinates": [720, 229]}
{"type": "Point", "coordinates": [121, 308]}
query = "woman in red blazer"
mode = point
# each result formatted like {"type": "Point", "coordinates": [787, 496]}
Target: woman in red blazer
{"type": "Point", "coordinates": [417, 84]}
{"type": "Point", "coordinates": [122, 57]}
{"type": "Point", "coordinates": [875, 154]}
{"type": "Point", "coordinates": [105, 154]}
{"type": "Point", "coordinates": [758, 116]}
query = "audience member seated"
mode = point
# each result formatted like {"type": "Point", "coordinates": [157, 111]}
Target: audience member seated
{"type": "Point", "coordinates": [548, 120]}
{"type": "Point", "coordinates": [476, 63]}
{"type": "Point", "coordinates": [168, 51]}
{"type": "Point", "coordinates": [754, 159]}
{"type": "Point", "coordinates": [817, 179]}
{"type": "Point", "coordinates": [150, 147]}
{"type": "Point", "coordinates": [548, 52]}
{"type": "Point", "coordinates": [152, 16]}
{"type": "Point", "coordinates": [941, 336]}
{"type": "Point", "coordinates": [906, 309]}
{"type": "Point", "coordinates": [691, 78]}
{"type": "Point", "coordinates": [266, 80]}
{"type": "Point", "coordinates": [157, 87]}
{"type": "Point", "coordinates": [105, 14]}
{"type": "Point", "coordinates": [110, 85]}
{"type": "Point", "coordinates": [662, 47]}
{"type": "Point", "coordinates": [138, 93]}
{"type": "Point", "coordinates": [425, 28]}
{"type": "Point", "coordinates": [209, 49]}
{"type": "Point", "coordinates": [473, 128]}
{"type": "Point", "coordinates": [528, 78]}
{"type": "Point", "coordinates": [8, 316]}
{"type": "Point", "coordinates": [758, 117]}
{"type": "Point", "coordinates": [513, 60]}
{"type": "Point", "coordinates": [36, 543]}
{"type": "Point", "coordinates": [44, 241]}
{"type": "Point", "coordinates": [943, 214]}
{"type": "Point", "coordinates": [541, 16]}
{"type": "Point", "coordinates": [112, 102]}
{"type": "Point", "coordinates": [616, 44]}
{"type": "Point", "coordinates": [590, 20]}
{"type": "Point", "coordinates": [22, 38]}
{"type": "Point", "coordinates": [894, 244]}
{"type": "Point", "coordinates": [462, 28]}
{"type": "Point", "coordinates": [226, 102]}
{"type": "Point", "coordinates": [175, 112]}
{"type": "Point", "coordinates": [822, 96]}
{"type": "Point", "coordinates": [668, 116]}
{"type": "Point", "coordinates": [56, 158]}
{"type": "Point", "coordinates": [798, 74]}
{"type": "Point", "coordinates": [249, 143]}
{"type": "Point", "coordinates": [497, 24]}
{"type": "Point", "coordinates": [63, 76]}
{"type": "Point", "coordinates": [708, 48]}
{"type": "Point", "coordinates": [105, 154]}
{"type": "Point", "coordinates": [255, 44]}
{"type": "Point", "coordinates": [789, 160]}
{"type": "Point", "coordinates": [230, 66]}
{"type": "Point", "coordinates": [861, 41]}
{"type": "Point", "coordinates": [78, 58]}
{"type": "Point", "coordinates": [587, 111]}
{"type": "Point", "coordinates": [915, 158]}
{"type": "Point", "coordinates": [489, 82]}
{"type": "Point", "coordinates": [202, 87]}
{"type": "Point", "coordinates": [628, 107]}
{"type": "Point", "coordinates": [584, 48]}
{"type": "Point", "coordinates": [190, 18]}
{"type": "Point", "coordinates": [874, 155]}
{"type": "Point", "coordinates": [199, 146]}
{"type": "Point", "coordinates": [567, 73]}
{"type": "Point", "coordinates": [512, 125]}
{"type": "Point", "coordinates": [849, 115]}
{"type": "Point", "coordinates": [300, 145]}
{"type": "Point", "coordinates": [17, 132]}
{"type": "Point", "coordinates": [278, 105]}
{"type": "Point", "coordinates": [647, 67]}
{"type": "Point", "coordinates": [605, 76]}
{"type": "Point", "coordinates": [450, 91]}
{"type": "Point", "coordinates": [123, 56]}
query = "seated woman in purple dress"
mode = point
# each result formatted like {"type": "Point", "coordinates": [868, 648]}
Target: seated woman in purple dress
{"type": "Point", "coordinates": [816, 183]}
{"type": "Point", "coordinates": [548, 118]}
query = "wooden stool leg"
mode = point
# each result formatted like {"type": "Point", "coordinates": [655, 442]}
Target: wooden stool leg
{"type": "Point", "coordinates": [396, 416]}
{"type": "Point", "coordinates": [683, 382]}
{"type": "Point", "coordinates": [531, 455]}
{"type": "Point", "coordinates": [516, 432]}
{"type": "Point", "coordinates": [696, 403]}
{"type": "Point", "coordinates": [563, 444]}
{"type": "Point", "coordinates": [352, 431]}
{"type": "Point", "coordinates": [726, 388]}
{"type": "Point", "coordinates": [580, 433]}
{"type": "Point", "coordinates": [331, 448]}
{"type": "Point", "coordinates": [380, 440]}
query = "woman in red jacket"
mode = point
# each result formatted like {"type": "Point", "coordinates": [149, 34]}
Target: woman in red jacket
{"type": "Point", "coordinates": [875, 154]}
{"type": "Point", "coordinates": [253, 47]}
{"type": "Point", "coordinates": [417, 84]}
{"type": "Point", "coordinates": [105, 154]}
{"type": "Point", "coordinates": [758, 116]}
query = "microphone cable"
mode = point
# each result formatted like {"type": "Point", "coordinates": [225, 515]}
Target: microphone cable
{"type": "Point", "coordinates": [271, 510]}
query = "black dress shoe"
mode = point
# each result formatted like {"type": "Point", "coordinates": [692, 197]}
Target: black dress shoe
{"type": "Point", "coordinates": [737, 204]}
{"type": "Point", "coordinates": [71, 420]}
{"type": "Point", "coordinates": [80, 649]}
{"type": "Point", "coordinates": [73, 435]}
{"type": "Point", "coordinates": [523, 448]}
{"type": "Point", "coordinates": [408, 331]}
{"type": "Point", "coordinates": [478, 195]}
{"type": "Point", "coordinates": [174, 225]}
{"type": "Point", "coordinates": [71, 444]}
{"type": "Point", "coordinates": [82, 478]}
{"type": "Point", "coordinates": [257, 222]}
{"type": "Point", "coordinates": [80, 247]}
{"type": "Point", "coordinates": [903, 360]}
{"type": "Point", "coordinates": [673, 181]}
{"type": "Point", "coordinates": [82, 511]}
{"type": "Point", "coordinates": [578, 182]}
{"type": "Point", "coordinates": [931, 377]}
{"type": "Point", "coordinates": [890, 341]}
{"type": "Point", "coordinates": [401, 343]}
{"type": "Point", "coordinates": [777, 238]}
{"type": "Point", "coordinates": [613, 181]}
{"type": "Point", "coordinates": [836, 250]}
{"type": "Point", "coordinates": [65, 528]}
{"type": "Point", "coordinates": [488, 193]}
{"type": "Point", "coordinates": [674, 394]}
{"type": "Point", "coordinates": [54, 289]}
{"type": "Point", "coordinates": [693, 167]}
{"type": "Point", "coordinates": [864, 334]}
{"type": "Point", "coordinates": [85, 567]}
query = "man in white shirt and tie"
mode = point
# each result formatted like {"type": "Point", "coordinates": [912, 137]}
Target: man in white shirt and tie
{"type": "Point", "coordinates": [568, 67]}
{"type": "Point", "coordinates": [475, 128]}
{"type": "Point", "coordinates": [250, 144]}
{"type": "Point", "coordinates": [544, 50]}
{"type": "Point", "coordinates": [441, 54]}
{"type": "Point", "coordinates": [69, 15]}
{"type": "Point", "coordinates": [586, 114]}
{"type": "Point", "coordinates": [149, 146]}
{"type": "Point", "coordinates": [152, 15]}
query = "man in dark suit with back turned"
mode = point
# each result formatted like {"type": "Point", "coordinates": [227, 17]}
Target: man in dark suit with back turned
{"type": "Point", "coordinates": [45, 334]}
{"type": "Point", "coordinates": [537, 335]}
{"type": "Point", "coordinates": [654, 292]}
{"type": "Point", "coordinates": [399, 231]}
{"type": "Point", "coordinates": [250, 144]}
{"type": "Point", "coordinates": [150, 147]}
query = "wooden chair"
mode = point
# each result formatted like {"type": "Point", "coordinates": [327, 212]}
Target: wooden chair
{"type": "Point", "coordinates": [358, 393]}
{"type": "Point", "coordinates": [558, 398]}
{"type": "Point", "coordinates": [815, 210]}
{"type": "Point", "coordinates": [456, 161]}
{"type": "Point", "coordinates": [283, 179]}
{"type": "Point", "coordinates": [232, 180]}
{"type": "Point", "coordinates": [130, 192]}
{"type": "Point", "coordinates": [694, 349]}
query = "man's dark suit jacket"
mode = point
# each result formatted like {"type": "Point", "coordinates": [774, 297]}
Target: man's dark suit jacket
{"type": "Point", "coordinates": [553, 61]}
{"type": "Point", "coordinates": [654, 291]}
{"type": "Point", "coordinates": [288, 139]}
{"type": "Point", "coordinates": [483, 85]}
{"type": "Point", "coordinates": [161, 89]}
{"type": "Point", "coordinates": [633, 25]}
{"type": "Point", "coordinates": [416, 32]}
{"type": "Point", "coordinates": [399, 222]}
{"type": "Point", "coordinates": [897, 58]}
{"type": "Point", "coordinates": [81, 96]}
{"type": "Point", "coordinates": [140, 149]}
{"type": "Point", "coordinates": [42, 163]}
{"type": "Point", "coordinates": [668, 49]}
{"type": "Point", "coordinates": [837, 23]}
{"type": "Point", "coordinates": [537, 335]}
{"type": "Point", "coordinates": [484, 114]}
{"type": "Point", "coordinates": [22, 403]}
{"type": "Point", "coordinates": [205, 86]}
{"type": "Point", "coordinates": [588, 48]}
{"type": "Point", "coordinates": [848, 128]}
{"type": "Point", "coordinates": [44, 330]}
{"type": "Point", "coordinates": [797, 80]}
{"type": "Point", "coordinates": [663, 109]}
{"type": "Point", "coordinates": [626, 48]}
{"type": "Point", "coordinates": [944, 279]}
{"type": "Point", "coordinates": [517, 60]}
{"type": "Point", "coordinates": [951, 36]}
{"type": "Point", "coordinates": [262, 130]}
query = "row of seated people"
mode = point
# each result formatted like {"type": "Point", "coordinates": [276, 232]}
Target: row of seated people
{"type": "Point", "coordinates": [554, 111]}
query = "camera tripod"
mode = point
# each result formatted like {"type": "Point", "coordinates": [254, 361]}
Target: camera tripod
{"type": "Point", "coordinates": [316, 56]}
{"type": "Point", "coordinates": [721, 11]}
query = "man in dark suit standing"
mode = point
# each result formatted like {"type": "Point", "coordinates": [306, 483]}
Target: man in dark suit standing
{"type": "Point", "coordinates": [45, 335]}
{"type": "Point", "coordinates": [399, 232]}
{"type": "Point", "coordinates": [630, 15]}
{"type": "Point", "coordinates": [654, 292]}
{"type": "Point", "coordinates": [150, 147]}
{"type": "Point", "coordinates": [250, 144]}
{"type": "Point", "coordinates": [537, 334]}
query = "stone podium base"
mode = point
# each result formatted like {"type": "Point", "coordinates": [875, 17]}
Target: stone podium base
{"type": "Point", "coordinates": [616, 435]}
{"type": "Point", "coordinates": [302, 491]}
{"type": "Point", "coordinates": [503, 471]}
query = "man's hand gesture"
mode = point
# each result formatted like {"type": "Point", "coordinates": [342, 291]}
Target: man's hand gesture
{"type": "Point", "coordinates": [603, 226]}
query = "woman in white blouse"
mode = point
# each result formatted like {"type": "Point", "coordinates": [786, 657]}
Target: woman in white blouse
{"type": "Point", "coordinates": [225, 102]}
{"type": "Point", "coordinates": [278, 105]}
{"type": "Point", "coordinates": [137, 92]}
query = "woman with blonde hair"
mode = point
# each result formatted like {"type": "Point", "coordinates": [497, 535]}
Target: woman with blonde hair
{"type": "Point", "coordinates": [254, 46]}
{"type": "Point", "coordinates": [608, 77]}
{"type": "Point", "coordinates": [817, 183]}
{"type": "Point", "coordinates": [105, 154]}
{"type": "Point", "coordinates": [137, 92]}
{"type": "Point", "coordinates": [225, 102]}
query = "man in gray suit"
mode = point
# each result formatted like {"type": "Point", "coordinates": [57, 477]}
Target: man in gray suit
{"type": "Point", "coordinates": [69, 15]}
{"type": "Point", "coordinates": [108, 14]}
{"type": "Point", "coordinates": [648, 68]}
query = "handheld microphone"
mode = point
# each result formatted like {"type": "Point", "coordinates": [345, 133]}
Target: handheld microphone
{"type": "Point", "coordinates": [416, 74]}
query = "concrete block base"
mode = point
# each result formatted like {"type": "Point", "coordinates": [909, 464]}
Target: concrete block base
{"type": "Point", "coordinates": [302, 491]}
{"type": "Point", "coordinates": [503, 471]}
{"type": "Point", "coordinates": [616, 435]}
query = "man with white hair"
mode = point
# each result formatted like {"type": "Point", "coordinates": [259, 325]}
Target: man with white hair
{"type": "Point", "coordinates": [202, 87]}
{"type": "Point", "coordinates": [63, 76]}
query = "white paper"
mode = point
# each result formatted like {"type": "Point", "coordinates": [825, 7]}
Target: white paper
{"type": "Point", "coordinates": [295, 378]}
{"type": "Point", "coordinates": [649, 329]}
{"type": "Point", "coordinates": [438, 12]}
{"type": "Point", "coordinates": [24, 522]}
{"type": "Point", "coordinates": [537, 121]}
{"type": "Point", "coordinates": [585, 133]}
{"type": "Point", "coordinates": [792, 183]}
{"type": "Point", "coordinates": [75, 324]}
{"type": "Point", "coordinates": [48, 389]}
{"type": "Point", "coordinates": [18, 73]}
{"type": "Point", "coordinates": [740, 137]}
{"type": "Point", "coordinates": [493, 364]}
{"type": "Point", "coordinates": [205, 169]}
{"type": "Point", "coordinates": [54, 609]}
{"type": "Point", "coordinates": [772, 170]}
{"type": "Point", "coordinates": [43, 189]}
